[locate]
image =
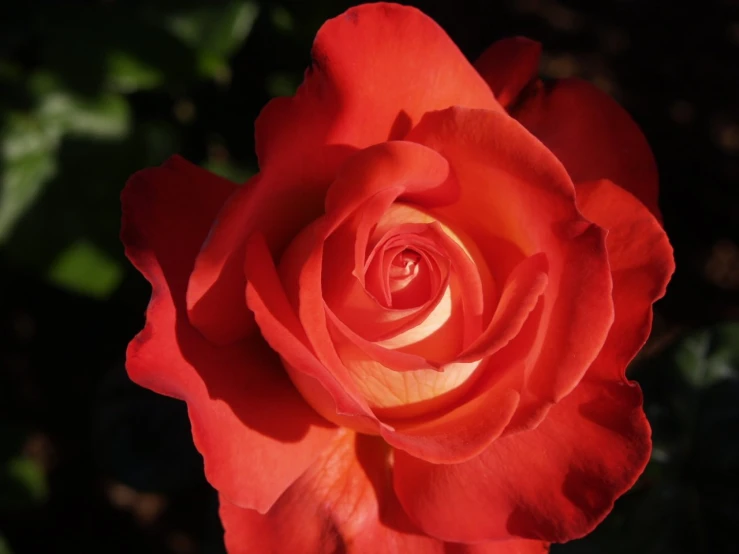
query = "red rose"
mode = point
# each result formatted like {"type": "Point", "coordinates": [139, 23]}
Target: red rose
{"type": "Point", "coordinates": [409, 332]}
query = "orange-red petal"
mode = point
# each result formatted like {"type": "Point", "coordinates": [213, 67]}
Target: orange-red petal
{"type": "Point", "coordinates": [642, 264]}
{"type": "Point", "coordinates": [508, 66]}
{"type": "Point", "coordinates": [554, 483]}
{"type": "Point", "coordinates": [376, 70]}
{"type": "Point", "coordinates": [370, 81]}
{"type": "Point", "coordinates": [513, 188]}
{"type": "Point", "coordinates": [244, 411]}
{"type": "Point", "coordinates": [593, 136]}
{"type": "Point", "coordinates": [343, 503]}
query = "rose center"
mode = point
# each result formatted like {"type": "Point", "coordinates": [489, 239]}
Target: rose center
{"type": "Point", "coordinates": [403, 269]}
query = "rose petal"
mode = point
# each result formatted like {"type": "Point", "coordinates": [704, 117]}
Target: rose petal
{"type": "Point", "coordinates": [282, 330]}
{"type": "Point", "coordinates": [372, 180]}
{"type": "Point", "coordinates": [513, 189]}
{"type": "Point", "coordinates": [357, 298]}
{"type": "Point", "coordinates": [420, 173]}
{"type": "Point", "coordinates": [593, 136]}
{"type": "Point", "coordinates": [343, 503]}
{"type": "Point", "coordinates": [461, 433]}
{"type": "Point", "coordinates": [642, 264]}
{"type": "Point", "coordinates": [244, 411]}
{"type": "Point", "coordinates": [373, 352]}
{"type": "Point", "coordinates": [508, 65]}
{"type": "Point", "coordinates": [499, 547]}
{"type": "Point", "coordinates": [369, 82]}
{"type": "Point", "coordinates": [211, 286]}
{"type": "Point", "coordinates": [400, 215]}
{"type": "Point", "coordinates": [401, 384]}
{"type": "Point", "coordinates": [519, 297]}
{"type": "Point", "coordinates": [435, 313]}
{"type": "Point", "coordinates": [218, 276]}
{"type": "Point", "coordinates": [376, 70]}
{"type": "Point", "coordinates": [554, 483]}
{"type": "Point", "coordinates": [472, 294]}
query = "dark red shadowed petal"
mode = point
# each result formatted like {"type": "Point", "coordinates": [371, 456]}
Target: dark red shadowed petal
{"type": "Point", "coordinates": [217, 278]}
{"type": "Point", "coordinates": [515, 546]}
{"type": "Point", "coordinates": [642, 264]}
{"type": "Point", "coordinates": [508, 66]}
{"type": "Point", "coordinates": [212, 286]}
{"type": "Point", "coordinates": [593, 136]}
{"type": "Point", "coordinates": [554, 483]}
{"type": "Point", "coordinates": [245, 413]}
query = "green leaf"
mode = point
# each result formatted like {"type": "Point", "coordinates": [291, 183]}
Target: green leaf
{"type": "Point", "coordinates": [30, 475]}
{"type": "Point", "coordinates": [214, 32]}
{"type": "Point", "coordinates": [229, 170]}
{"type": "Point", "coordinates": [30, 140]}
{"type": "Point", "coordinates": [105, 117]}
{"type": "Point", "coordinates": [709, 356]}
{"type": "Point", "coordinates": [282, 84]}
{"type": "Point", "coordinates": [86, 269]}
{"type": "Point", "coordinates": [28, 162]}
{"type": "Point", "coordinates": [4, 547]}
{"type": "Point", "coordinates": [128, 73]}
{"type": "Point", "coordinates": [22, 479]}
{"type": "Point", "coordinates": [282, 19]}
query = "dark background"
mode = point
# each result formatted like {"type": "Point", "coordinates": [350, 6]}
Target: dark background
{"type": "Point", "coordinates": [92, 91]}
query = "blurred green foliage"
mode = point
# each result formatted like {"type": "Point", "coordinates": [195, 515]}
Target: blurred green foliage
{"type": "Point", "coordinates": [4, 548]}
{"type": "Point", "coordinates": [23, 481]}
{"type": "Point", "coordinates": [75, 123]}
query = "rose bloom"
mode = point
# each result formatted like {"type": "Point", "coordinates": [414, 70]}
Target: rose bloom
{"type": "Point", "coordinates": [409, 332]}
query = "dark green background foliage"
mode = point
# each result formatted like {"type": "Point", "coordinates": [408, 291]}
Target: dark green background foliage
{"type": "Point", "coordinates": [92, 91]}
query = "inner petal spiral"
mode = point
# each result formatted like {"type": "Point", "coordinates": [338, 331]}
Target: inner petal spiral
{"type": "Point", "coordinates": [419, 273]}
{"type": "Point", "coordinates": [403, 269]}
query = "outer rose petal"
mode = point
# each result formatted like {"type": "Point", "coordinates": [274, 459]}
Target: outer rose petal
{"type": "Point", "coordinates": [593, 136]}
{"type": "Point", "coordinates": [594, 443]}
{"type": "Point", "coordinates": [513, 188]}
{"type": "Point", "coordinates": [508, 66]}
{"type": "Point", "coordinates": [244, 411]}
{"type": "Point", "coordinates": [344, 503]}
{"type": "Point", "coordinates": [642, 264]}
{"type": "Point", "coordinates": [377, 69]}
{"type": "Point", "coordinates": [554, 483]}
{"type": "Point", "coordinates": [515, 546]}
